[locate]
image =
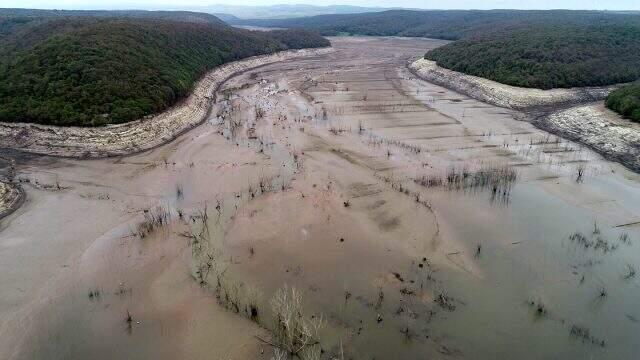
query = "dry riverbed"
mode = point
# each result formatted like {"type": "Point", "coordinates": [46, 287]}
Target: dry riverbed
{"type": "Point", "coordinates": [416, 222]}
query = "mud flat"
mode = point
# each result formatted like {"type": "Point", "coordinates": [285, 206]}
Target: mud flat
{"type": "Point", "coordinates": [417, 222]}
{"type": "Point", "coordinates": [136, 136]}
{"type": "Point", "coordinates": [502, 95]}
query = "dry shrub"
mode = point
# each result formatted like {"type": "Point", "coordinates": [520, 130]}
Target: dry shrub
{"type": "Point", "coordinates": [294, 332]}
{"type": "Point", "coordinates": [154, 218]}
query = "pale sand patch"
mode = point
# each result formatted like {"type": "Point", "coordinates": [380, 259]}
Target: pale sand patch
{"type": "Point", "coordinates": [599, 128]}
{"type": "Point", "coordinates": [140, 135]}
{"type": "Point", "coordinates": [585, 119]}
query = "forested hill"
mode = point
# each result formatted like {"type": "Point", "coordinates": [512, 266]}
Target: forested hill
{"type": "Point", "coordinates": [93, 71]}
{"type": "Point", "coordinates": [626, 101]}
{"type": "Point", "coordinates": [549, 55]}
{"type": "Point", "coordinates": [188, 16]}
{"type": "Point", "coordinates": [14, 20]}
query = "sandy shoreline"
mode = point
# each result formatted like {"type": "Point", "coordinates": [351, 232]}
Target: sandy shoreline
{"type": "Point", "coordinates": [140, 135]}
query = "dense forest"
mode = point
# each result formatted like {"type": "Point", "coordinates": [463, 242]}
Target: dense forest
{"type": "Point", "coordinates": [626, 101]}
{"type": "Point", "coordinates": [188, 16]}
{"type": "Point", "coordinates": [548, 55]}
{"type": "Point", "coordinates": [18, 22]}
{"type": "Point", "coordinates": [91, 71]}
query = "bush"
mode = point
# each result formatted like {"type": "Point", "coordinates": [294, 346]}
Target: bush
{"type": "Point", "coordinates": [626, 101]}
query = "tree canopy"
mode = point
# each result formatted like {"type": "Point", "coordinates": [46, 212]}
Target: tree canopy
{"type": "Point", "coordinates": [626, 101]}
{"type": "Point", "coordinates": [548, 55]}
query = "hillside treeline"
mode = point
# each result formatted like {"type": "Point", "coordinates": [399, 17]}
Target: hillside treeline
{"type": "Point", "coordinates": [626, 101]}
{"type": "Point", "coordinates": [548, 56]}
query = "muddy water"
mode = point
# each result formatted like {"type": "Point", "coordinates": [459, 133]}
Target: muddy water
{"type": "Point", "coordinates": [313, 164]}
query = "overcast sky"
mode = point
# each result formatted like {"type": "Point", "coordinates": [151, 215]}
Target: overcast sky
{"type": "Point", "coordinates": [427, 4]}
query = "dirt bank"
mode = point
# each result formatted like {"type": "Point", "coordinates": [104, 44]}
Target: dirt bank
{"type": "Point", "coordinates": [136, 136]}
{"type": "Point", "coordinates": [10, 198]}
{"type": "Point", "coordinates": [505, 95]}
{"type": "Point", "coordinates": [599, 128]}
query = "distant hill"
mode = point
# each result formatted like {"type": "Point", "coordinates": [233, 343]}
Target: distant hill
{"type": "Point", "coordinates": [12, 20]}
{"type": "Point", "coordinates": [188, 16]}
{"type": "Point", "coordinates": [227, 18]}
{"type": "Point", "coordinates": [90, 71]}
{"type": "Point", "coordinates": [440, 24]}
{"type": "Point", "coordinates": [283, 11]}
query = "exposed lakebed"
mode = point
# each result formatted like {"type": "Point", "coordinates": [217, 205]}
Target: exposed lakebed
{"type": "Point", "coordinates": [419, 222]}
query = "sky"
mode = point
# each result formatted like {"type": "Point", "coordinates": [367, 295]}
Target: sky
{"type": "Point", "coordinates": [426, 4]}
